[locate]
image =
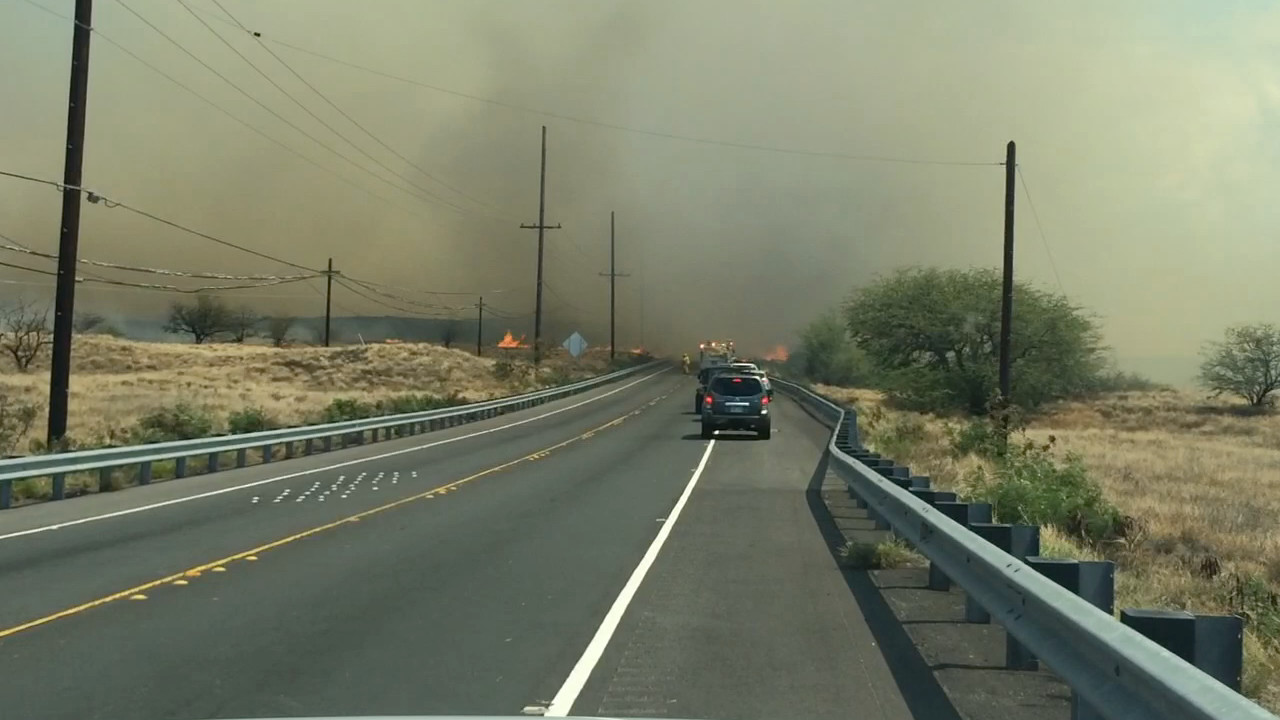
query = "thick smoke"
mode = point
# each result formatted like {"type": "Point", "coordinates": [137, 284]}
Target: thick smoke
{"type": "Point", "coordinates": [1141, 131]}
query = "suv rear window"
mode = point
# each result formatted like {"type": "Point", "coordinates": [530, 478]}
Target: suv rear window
{"type": "Point", "coordinates": [737, 386]}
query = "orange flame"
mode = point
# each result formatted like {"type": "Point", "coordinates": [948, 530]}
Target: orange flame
{"type": "Point", "coordinates": [778, 354]}
{"type": "Point", "coordinates": [509, 341]}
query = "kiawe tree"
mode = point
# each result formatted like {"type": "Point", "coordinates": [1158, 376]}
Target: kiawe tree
{"type": "Point", "coordinates": [1246, 364]}
{"type": "Point", "coordinates": [933, 335]}
{"type": "Point", "coordinates": [203, 320]}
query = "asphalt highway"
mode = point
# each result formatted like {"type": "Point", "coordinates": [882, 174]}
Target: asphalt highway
{"type": "Point", "coordinates": [592, 556]}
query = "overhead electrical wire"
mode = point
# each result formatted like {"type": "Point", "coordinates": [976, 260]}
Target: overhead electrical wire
{"type": "Point", "coordinates": [629, 129]}
{"type": "Point", "coordinates": [426, 195]}
{"type": "Point", "coordinates": [94, 197]}
{"type": "Point", "coordinates": [18, 247]}
{"type": "Point", "coordinates": [258, 102]}
{"type": "Point", "coordinates": [1043, 240]}
{"type": "Point", "coordinates": [257, 37]}
{"type": "Point", "coordinates": [228, 113]}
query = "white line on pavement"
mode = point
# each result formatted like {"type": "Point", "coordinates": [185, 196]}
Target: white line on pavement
{"type": "Point", "coordinates": [562, 703]}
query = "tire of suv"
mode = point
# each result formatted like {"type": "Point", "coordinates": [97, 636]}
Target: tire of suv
{"type": "Point", "coordinates": [764, 432]}
{"type": "Point", "coordinates": [708, 432]}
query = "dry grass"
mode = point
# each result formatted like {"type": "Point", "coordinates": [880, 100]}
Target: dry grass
{"type": "Point", "coordinates": [115, 381]}
{"type": "Point", "coordinates": [1198, 476]}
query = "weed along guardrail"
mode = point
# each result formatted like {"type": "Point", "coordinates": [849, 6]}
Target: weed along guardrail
{"type": "Point", "coordinates": [305, 440]}
{"type": "Point", "coordinates": [1150, 664]}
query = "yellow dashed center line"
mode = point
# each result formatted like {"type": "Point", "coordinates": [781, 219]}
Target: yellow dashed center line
{"type": "Point", "coordinates": [179, 578]}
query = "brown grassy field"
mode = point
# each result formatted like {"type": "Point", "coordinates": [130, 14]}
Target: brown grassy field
{"type": "Point", "coordinates": [114, 381]}
{"type": "Point", "coordinates": [1195, 473]}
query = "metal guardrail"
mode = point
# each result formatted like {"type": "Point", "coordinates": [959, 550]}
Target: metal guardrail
{"type": "Point", "coordinates": [1114, 671]}
{"type": "Point", "coordinates": [104, 460]}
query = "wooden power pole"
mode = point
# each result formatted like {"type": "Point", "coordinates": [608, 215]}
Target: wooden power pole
{"type": "Point", "coordinates": [613, 275]}
{"type": "Point", "coordinates": [540, 227]}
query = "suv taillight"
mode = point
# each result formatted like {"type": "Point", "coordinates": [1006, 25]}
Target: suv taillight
{"type": "Point", "coordinates": [706, 399]}
{"type": "Point", "coordinates": [764, 400]}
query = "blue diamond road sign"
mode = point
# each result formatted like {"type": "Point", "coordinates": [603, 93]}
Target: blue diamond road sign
{"type": "Point", "coordinates": [576, 344]}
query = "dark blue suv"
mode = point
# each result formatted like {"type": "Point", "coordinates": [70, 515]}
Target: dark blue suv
{"type": "Point", "coordinates": [736, 401]}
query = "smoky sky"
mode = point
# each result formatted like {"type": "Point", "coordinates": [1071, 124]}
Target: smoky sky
{"type": "Point", "coordinates": [1143, 130]}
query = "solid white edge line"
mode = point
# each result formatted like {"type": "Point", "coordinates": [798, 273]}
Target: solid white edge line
{"type": "Point", "coordinates": [300, 473]}
{"type": "Point", "coordinates": [562, 703]}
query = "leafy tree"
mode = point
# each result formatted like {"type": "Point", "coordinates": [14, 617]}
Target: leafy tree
{"type": "Point", "coordinates": [934, 336]}
{"type": "Point", "coordinates": [204, 319]}
{"type": "Point", "coordinates": [828, 354]}
{"type": "Point", "coordinates": [1246, 364]}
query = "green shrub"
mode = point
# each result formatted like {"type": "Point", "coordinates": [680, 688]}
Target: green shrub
{"type": "Point", "coordinates": [1029, 485]}
{"type": "Point", "coordinates": [249, 420]}
{"type": "Point", "coordinates": [181, 421]}
{"type": "Point", "coordinates": [342, 409]}
{"type": "Point", "coordinates": [409, 403]}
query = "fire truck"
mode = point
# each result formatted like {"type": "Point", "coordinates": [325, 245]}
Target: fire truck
{"type": "Point", "coordinates": [715, 352]}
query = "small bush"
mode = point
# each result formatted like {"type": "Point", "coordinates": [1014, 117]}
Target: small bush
{"type": "Point", "coordinates": [416, 403]}
{"type": "Point", "coordinates": [504, 368]}
{"type": "Point", "coordinates": [342, 409]}
{"type": "Point", "coordinates": [182, 421]}
{"type": "Point", "coordinates": [1029, 485]}
{"type": "Point", "coordinates": [250, 420]}
{"type": "Point", "coordinates": [883, 555]}
{"type": "Point", "coordinates": [16, 419]}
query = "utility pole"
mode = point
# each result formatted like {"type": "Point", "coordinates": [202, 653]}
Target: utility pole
{"type": "Point", "coordinates": [328, 301]}
{"type": "Point", "coordinates": [480, 328]}
{"type": "Point", "coordinates": [540, 227]}
{"type": "Point", "coordinates": [1006, 304]}
{"type": "Point", "coordinates": [613, 275]}
{"type": "Point", "coordinates": [69, 238]}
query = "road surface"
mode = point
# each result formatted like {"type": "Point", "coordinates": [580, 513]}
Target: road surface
{"type": "Point", "coordinates": [592, 556]}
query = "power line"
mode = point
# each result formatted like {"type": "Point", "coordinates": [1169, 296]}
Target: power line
{"type": "Point", "coordinates": [1036, 216]}
{"type": "Point", "coordinates": [95, 198]}
{"type": "Point", "coordinates": [258, 102]}
{"type": "Point", "coordinates": [338, 281]}
{"type": "Point", "coordinates": [19, 247]}
{"type": "Point", "coordinates": [229, 114]}
{"type": "Point", "coordinates": [150, 286]}
{"type": "Point", "coordinates": [427, 195]}
{"type": "Point", "coordinates": [257, 36]}
{"type": "Point", "coordinates": [628, 129]}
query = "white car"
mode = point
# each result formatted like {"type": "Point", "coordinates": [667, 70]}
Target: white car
{"type": "Point", "coordinates": [753, 369]}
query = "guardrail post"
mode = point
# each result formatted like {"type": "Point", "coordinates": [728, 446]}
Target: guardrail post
{"type": "Point", "coordinates": [288, 450]}
{"type": "Point", "coordinates": [920, 482]}
{"type": "Point", "coordinates": [242, 457]}
{"type": "Point", "coordinates": [328, 443]}
{"type": "Point", "coordinates": [179, 467]}
{"type": "Point", "coordinates": [59, 489]}
{"type": "Point", "coordinates": [308, 446]}
{"type": "Point", "coordinates": [104, 479]}
{"type": "Point", "coordinates": [211, 462]}
{"type": "Point", "coordinates": [967, 514]}
{"type": "Point", "coordinates": [6, 494]}
{"type": "Point", "coordinates": [1213, 643]}
{"type": "Point", "coordinates": [266, 453]}
{"type": "Point", "coordinates": [1093, 581]}
{"type": "Point", "coordinates": [1020, 541]}
{"type": "Point", "coordinates": [144, 473]}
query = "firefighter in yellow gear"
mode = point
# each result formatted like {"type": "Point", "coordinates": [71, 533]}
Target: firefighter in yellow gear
{"type": "Point", "coordinates": [684, 363]}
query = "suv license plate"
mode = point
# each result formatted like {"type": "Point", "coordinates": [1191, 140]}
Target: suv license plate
{"type": "Point", "coordinates": [736, 409]}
